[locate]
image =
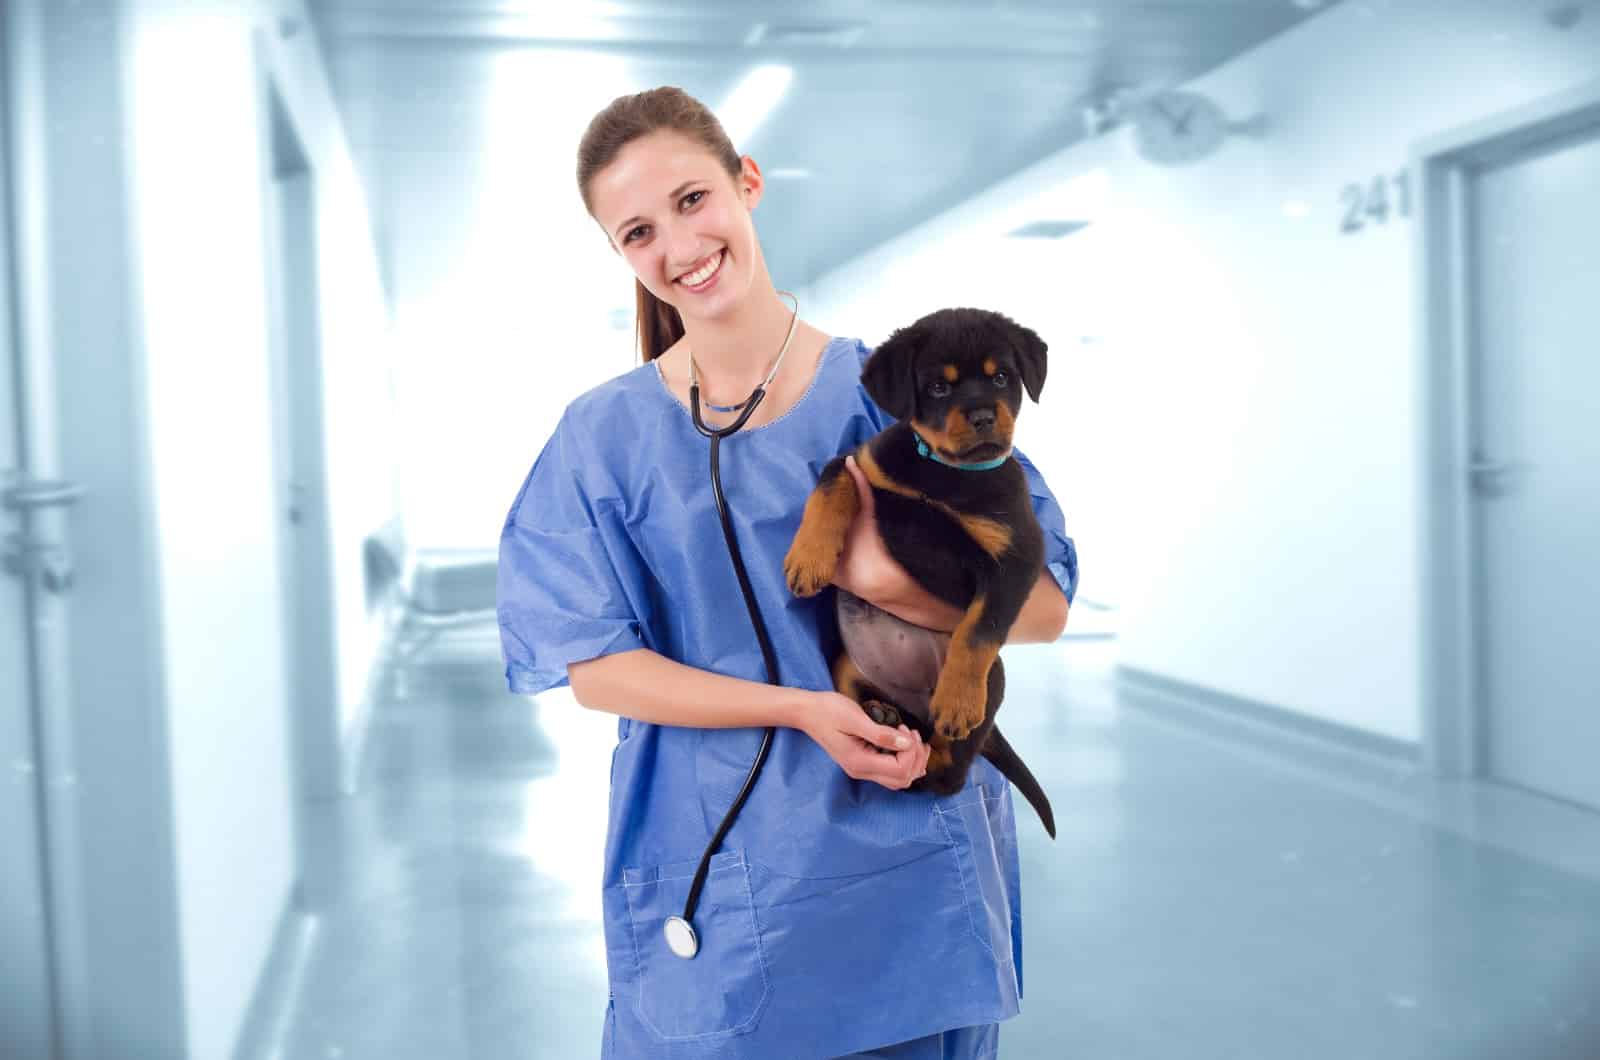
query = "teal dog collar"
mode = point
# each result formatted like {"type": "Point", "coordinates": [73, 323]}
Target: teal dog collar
{"type": "Point", "coordinates": [982, 465]}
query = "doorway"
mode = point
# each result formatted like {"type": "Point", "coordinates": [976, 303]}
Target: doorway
{"type": "Point", "coordinates": [1511, 401]}
{"type": "Point", "coordinates": [310, 663]}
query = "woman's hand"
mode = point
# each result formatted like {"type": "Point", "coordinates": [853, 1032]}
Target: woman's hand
{"type": "Point", "coordinates": [839, 725]}
{"type": "Point", "coordinates": [865, 567]}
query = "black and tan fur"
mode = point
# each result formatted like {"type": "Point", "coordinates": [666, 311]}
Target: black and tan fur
{"type": "Point", "coordinates": [956, 378]}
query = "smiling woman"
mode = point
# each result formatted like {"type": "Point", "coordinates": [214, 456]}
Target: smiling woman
{"type": "Point", "coordinates": [736, 941]}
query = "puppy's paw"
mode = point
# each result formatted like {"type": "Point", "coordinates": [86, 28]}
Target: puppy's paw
{"type": "Point", "coordinates": [884, 714]}
{"type": "Point", "coordinates": [957, 709]}
{"type": "Point", "coordinates": [809, 566]}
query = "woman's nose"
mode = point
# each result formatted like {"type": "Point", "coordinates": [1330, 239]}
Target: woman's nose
{"type": "Point", "coordinates": [682, 247]}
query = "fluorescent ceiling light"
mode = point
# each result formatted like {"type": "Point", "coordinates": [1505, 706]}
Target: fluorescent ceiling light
{"type": "Point", "coordinates": [751, 101]}
{"type": "Point", "coordinates": [1047, 229]}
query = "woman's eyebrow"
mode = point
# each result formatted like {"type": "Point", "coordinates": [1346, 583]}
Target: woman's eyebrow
{"type": "Point", "coordinates": [679, 190]}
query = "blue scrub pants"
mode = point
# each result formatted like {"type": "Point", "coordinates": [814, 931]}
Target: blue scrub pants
{"type": "Point", "coordinates": [963, 1043]}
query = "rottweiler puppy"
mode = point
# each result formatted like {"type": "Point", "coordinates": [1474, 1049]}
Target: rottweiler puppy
{"type": "Point", "coordinates": [954, 510]}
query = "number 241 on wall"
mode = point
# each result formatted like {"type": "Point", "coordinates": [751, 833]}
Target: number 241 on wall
{"type": "Point", "coordinates": [1370, 203]}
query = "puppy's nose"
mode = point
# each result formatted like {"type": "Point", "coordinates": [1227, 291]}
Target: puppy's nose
{"type": "Point", "coordinates": [982, 420]}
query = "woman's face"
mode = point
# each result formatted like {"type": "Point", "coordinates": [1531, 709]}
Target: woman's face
{"type": "Point", "coordinates": [681, 222]}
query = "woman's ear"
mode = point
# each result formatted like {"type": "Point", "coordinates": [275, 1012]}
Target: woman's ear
{"type": "Point", "coordinates": [750, 182]}
{"type": "Point", "coordinates": [889, 374]}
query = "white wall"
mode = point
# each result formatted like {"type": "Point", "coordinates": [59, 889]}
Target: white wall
{"type": "Point", "coordinates": [1229, 418]}
{"type": "Point", "coordinates": [501, 321]}
{"type": "Point", "coordinates": [196, 136]}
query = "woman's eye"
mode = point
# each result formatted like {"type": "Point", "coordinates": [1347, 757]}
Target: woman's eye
{"type": "Point", "coordinates": [999, 379]}
{"type": "Point", "coordinates": [692, 195]}
{"type": "Point", "coordinates": [631, 233]}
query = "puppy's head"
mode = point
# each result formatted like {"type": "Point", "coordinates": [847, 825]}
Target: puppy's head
{"type": "Point", "coordinates": [958, 376]}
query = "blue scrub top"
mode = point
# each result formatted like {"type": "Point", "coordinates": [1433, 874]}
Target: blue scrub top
{"type": "Point", "coordinates": [838, 915]}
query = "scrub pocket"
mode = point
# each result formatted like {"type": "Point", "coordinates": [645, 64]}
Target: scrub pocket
{"type": "Point", "coordinates": [721, 991]}
{"type": "Point", "coordinates": [983, 838]}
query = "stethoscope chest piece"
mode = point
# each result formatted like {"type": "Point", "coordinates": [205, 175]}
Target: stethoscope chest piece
{"type": "Point", "coordinates": [681, 938]}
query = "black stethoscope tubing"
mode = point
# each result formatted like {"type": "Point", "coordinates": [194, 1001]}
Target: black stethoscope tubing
{"type": "Point", "coordinates": [681, 938]}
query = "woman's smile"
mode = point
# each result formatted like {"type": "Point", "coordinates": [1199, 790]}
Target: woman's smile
{"type": "Point", "coordinates": [705, 276]}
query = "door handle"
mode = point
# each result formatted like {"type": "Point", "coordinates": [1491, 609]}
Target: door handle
{"type": "Point", "coordinates": [1492, 476]}
{"type": "Point", "coordinates": [26, 493]}
{"type": "Point", "coordinates": [25, 556]}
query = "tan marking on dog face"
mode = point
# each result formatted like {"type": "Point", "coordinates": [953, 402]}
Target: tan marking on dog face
{"type": "Point", "coordinates": [957, 434]}
{"type": "Point", "coordinates": [989, 367]}
{"type": "Point", "coordinates": [951, 373]}
{"type": "Point", "coordinates": [1005, 422]}
{"type": "Point", "coordinates": [938, 436]}
{"type": "Point", "coordinates": [993, 536]}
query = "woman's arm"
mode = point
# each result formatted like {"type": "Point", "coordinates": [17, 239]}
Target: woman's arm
{"type": "Point", "coordinates": [1043, 617]}
{"type": "Point", "coordinates": [648, 686]}
{"type": "Point", "coordinates": [867, 569]}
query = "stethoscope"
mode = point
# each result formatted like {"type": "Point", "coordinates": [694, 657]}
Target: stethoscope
{"type": "Point", "coordinates": [681, 937]}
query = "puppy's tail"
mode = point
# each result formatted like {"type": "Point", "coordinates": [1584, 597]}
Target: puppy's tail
{"type": "Point", "coordinates": [1010, 764]}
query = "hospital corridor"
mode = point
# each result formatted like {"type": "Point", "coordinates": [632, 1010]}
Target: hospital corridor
{"type": "Point", "coordinates": [392, 669]}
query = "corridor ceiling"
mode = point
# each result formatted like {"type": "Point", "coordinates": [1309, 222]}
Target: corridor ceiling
{"type": "Point", "coordinates": [898, 110]}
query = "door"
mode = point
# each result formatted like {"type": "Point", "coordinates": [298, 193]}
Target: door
{"type": "Point", "coordinates": [311, 663]}
{"type": "Point", "coordinates": [1535, 466]}
{"type": "Point", "coordinates": [41, 971]}
{"type": "Point", "coordinates": [27, 1000]}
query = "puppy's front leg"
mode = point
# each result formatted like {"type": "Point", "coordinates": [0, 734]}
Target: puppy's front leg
{"type": "Point", "coordinates": [830, 510]}
{"type": "Point", "coordinates": [960, 699]}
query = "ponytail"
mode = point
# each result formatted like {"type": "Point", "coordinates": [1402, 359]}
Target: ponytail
{"type": "Point", "coordinates": [659, 324]}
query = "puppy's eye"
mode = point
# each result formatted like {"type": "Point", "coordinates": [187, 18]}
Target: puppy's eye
{"type": "Point", "coordinates": [938, 388]}
{"type": "Point", "coordinates": [999, 379]}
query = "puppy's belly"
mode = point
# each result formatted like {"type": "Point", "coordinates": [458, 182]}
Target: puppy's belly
{"type": "Point", "coordinates": [902, 659]}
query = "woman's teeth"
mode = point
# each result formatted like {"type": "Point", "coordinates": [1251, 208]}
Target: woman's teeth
{"type": "Point", "coordinates": [702, 274]}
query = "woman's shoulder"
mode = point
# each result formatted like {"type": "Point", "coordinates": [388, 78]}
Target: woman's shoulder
{"type": "Point", "coordinates": [857, 348]}
{"type": "Point", "coordinates": [620, 393]}
{"type": "Point", "coordinates": [849, 349]}
{"type": "Point", "coordinates": [847, 353]}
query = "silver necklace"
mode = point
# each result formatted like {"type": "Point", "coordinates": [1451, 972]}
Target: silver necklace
{"type": "Point", "coordinates": [794, 320]}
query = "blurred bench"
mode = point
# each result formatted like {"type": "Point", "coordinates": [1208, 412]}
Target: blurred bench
{"type": "Point", "coordinates": [439, 588]}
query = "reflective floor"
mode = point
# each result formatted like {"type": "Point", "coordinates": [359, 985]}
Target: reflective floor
{"type": "Point", "coordinates": [1215, 892]}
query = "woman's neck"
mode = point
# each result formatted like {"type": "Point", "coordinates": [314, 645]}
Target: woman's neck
{"type": "Point", "coordinates": [733, 356]}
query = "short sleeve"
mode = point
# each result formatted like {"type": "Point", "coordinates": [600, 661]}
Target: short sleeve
{"type": "Point", "coordinates": [881, 420]}
{"type": "Point", "coordinates": [568, 581]}
{"type": "Point", "coordinates": [1060, 554]}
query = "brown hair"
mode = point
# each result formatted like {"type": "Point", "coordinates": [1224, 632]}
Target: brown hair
{"type": "Point", "coordinates": [623, 121]}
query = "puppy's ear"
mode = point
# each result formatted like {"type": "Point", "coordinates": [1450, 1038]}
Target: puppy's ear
{"type": "Point", "coordinates": [889, 374]}
{"type": "Point", "coordinates": [1030, 358]}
